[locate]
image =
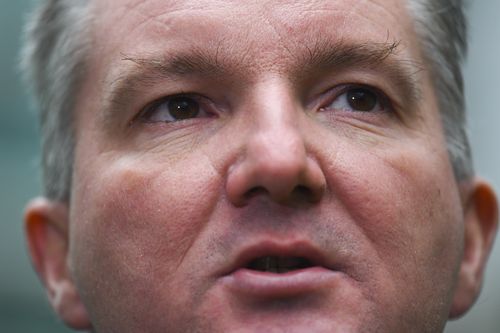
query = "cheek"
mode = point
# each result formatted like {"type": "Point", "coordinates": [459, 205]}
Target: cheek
{"type": "Point", "coordinates": [133, 221]}
{"type": "Point", "coordinates": [406, 190]}
{"type": "Point", "coordinates": [404, 203]}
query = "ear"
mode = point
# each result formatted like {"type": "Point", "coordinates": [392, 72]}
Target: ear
{"type": "Point", "coordinates": [46, 230]}
{"type": "Point", "coordinates": [480, 227]}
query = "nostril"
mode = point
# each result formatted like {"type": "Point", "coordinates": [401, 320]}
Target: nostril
{"type": "Point", "coordinates": [255, 191]}
{"type": "Point", "coordinates": [303, 193]}
{"type": "Point", "coordinates": [300, 193]}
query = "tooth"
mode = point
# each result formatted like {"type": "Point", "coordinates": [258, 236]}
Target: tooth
{"type": "Point", "coordinates": [267, 264]}
{"type": "Point", "coordinates": [272, 264]}
{"type": "Point", "coordinates": [285, 264]}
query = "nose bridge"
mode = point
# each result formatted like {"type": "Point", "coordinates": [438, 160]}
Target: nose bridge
{"type": "Point", "coordinates": [274, 160]}
{"type": "Point", "coordinates": [276, 139]}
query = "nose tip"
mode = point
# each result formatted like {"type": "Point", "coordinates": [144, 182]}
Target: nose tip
{"type": "Point", "coordinates": [277, 167]}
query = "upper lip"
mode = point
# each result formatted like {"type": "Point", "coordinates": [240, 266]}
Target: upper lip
{"type": "Point", "coordinates": [273, 248]}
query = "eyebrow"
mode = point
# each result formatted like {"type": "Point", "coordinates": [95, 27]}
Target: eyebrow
{"type": "Point", "coordinates": [380, 57]}
{"type": "Point", "coordinates": [148, 70]}
{"type": "Point", "coordinates": [322, 56]}
{"type": "Point", "coordinates": [178, 65]}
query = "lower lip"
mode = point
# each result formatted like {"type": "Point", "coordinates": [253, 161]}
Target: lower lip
{"type": "Point", "coordinates": [273, 285]}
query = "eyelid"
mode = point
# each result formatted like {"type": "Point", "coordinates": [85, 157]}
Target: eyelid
{"type": "Point", "coordinates": [332, 95]}
{"type": "Point", "coordinates": [204, 103]}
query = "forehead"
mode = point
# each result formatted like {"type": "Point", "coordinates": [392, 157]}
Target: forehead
{"type": "Point", "coordinates": [252, 11]}
{"type": "Point", "coordinates": [270, 30]}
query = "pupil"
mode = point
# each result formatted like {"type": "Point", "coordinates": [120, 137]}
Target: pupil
{"type": "Point", "coordinates": [362, 99]}
{"type": "Point", "coordinates": [183, 108]}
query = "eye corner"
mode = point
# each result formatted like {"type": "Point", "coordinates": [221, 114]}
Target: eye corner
{"type": "Point", "coordinates": [358, 98]}
{"type": "Point", "coordinates": [175, 108]}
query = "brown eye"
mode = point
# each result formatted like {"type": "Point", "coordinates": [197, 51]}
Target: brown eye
{"type": "Point", "coordinates": [173, 109]}
{"type": "Point", "coordinates": [358, 99]}
{"type": "Point", "coordinates": [362, 99]}
{"type": "Point", "coordinates": [183, 108]}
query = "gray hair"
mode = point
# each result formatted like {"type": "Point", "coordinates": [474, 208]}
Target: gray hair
{"type": "Point", "coordinates": [57, 42]}
{"type": "Point", "coordinates": [442, 28]}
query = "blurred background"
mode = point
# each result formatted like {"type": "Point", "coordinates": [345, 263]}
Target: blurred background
{"type": "Point", "coordinates": [23, 305]}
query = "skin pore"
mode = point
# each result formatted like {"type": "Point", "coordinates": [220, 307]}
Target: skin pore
{"type": "Point", "coordinates": [312, 130]}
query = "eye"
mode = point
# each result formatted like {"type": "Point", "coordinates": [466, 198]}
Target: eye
{"type": "Point", "coordinates": [173, 109]}
{"type": "Point", "coordinates": [359, 99]}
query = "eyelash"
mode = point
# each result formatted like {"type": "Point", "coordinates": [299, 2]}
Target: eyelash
{"type": "Point", "coordinates": [204, 106]}
{"type": "Point", "coordinates": [154, 107]}
{"type": "Point", "coordinates": [333, 95]}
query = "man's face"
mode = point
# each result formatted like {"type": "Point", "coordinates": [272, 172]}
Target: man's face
{"type": "Point", "coordinates": [262, 166]}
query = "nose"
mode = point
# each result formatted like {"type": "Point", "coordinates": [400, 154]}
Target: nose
{"type": "Point", "coordinates": [275, 161]}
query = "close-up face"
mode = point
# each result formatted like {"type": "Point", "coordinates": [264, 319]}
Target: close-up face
{"type": "Point", "coordinates": [261, 166]}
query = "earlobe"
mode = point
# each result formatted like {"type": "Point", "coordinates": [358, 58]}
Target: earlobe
{"type": "Point", "coordinates": [480, 228]}
{"type": "Point", "coordinates": [46, 230]}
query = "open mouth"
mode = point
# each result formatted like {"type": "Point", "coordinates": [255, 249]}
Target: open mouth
{"type": "Point", "coordinates": [277, 264]}
{"type": "Point", "coordinates": [269, 270]}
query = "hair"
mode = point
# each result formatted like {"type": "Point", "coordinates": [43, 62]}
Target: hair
{"type": "Point", "coordinates": [442, 28]}
{"type": "Point", "coordinates": [57, 42]}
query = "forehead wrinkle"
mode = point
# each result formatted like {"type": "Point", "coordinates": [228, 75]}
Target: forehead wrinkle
{"type": "Point", "coordinates": [223, 60]}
